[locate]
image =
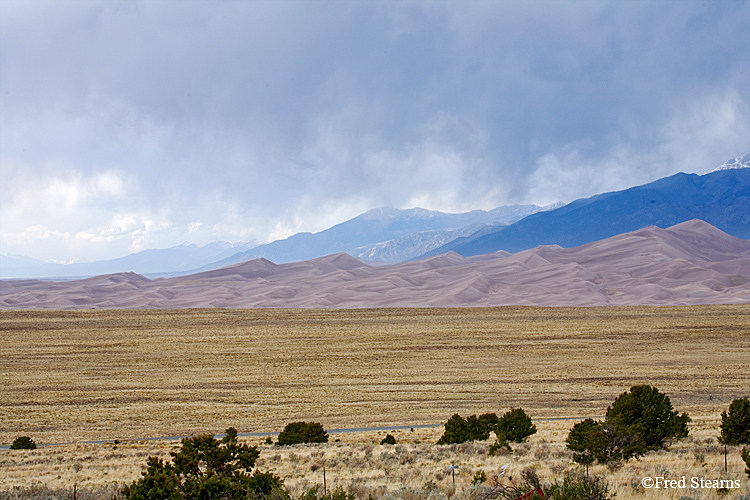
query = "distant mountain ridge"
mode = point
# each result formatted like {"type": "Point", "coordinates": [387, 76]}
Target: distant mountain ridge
{"type": "Point", "coordinates": [379, 226]}
{"type": "Point", "coordinates": [426, 229]}
{"type": "Point", "coordinates": [721, 198]}
{"type": "Point", "coordinates": [688, 264]}
{"type": "Point", "coordinates": [389, 235]}
{"type": "Point", "coordinates": [182, 258]}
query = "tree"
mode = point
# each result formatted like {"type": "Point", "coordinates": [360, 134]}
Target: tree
{"type": "Point", "coordinates": [515, 425]}
{"type": "Point", "coordinates": [479, 428]}
{"type": "Point", "coordinates": [588, 442]}
{"type": "Point", "coordinates": [640, 421]}
{"type": "Point", "coordinates": [23, 443]}
{"type": "Point", "coordinates": [302, 432]}
{"type": "Point", "coordinates": [460, 430]}
{"type": "Point", "coordinates": [735, 425]}
{"type": "Point", "coordinates": [456, 430]}
{"type": "Point", "coordinates": [746, 458]}
{"type": "Point", "coordinates": [204, 468]}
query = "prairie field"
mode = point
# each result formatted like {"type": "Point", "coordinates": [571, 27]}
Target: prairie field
{"type": "Point", "coordinates": [73, 377]}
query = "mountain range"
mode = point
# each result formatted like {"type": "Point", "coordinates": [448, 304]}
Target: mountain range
{"type": "Point", "coordinates": [382, 234]}
{"type": "Point", "coordinates": [389, 235]}
{"type": "Point", "coordinates": [721, 198]}
{"type": "Point", "coordinates": [689, 263]}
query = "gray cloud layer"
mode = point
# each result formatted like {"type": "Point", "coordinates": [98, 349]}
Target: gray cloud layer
{"type": "Point", "coordinates": [128, 125]}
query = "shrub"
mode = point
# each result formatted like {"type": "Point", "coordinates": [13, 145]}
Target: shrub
{"type": "Point", "coordinates": [302, 432]}
{"type": "Point", "coordinates": [746, 458]}
{"type": "Point", "coordinates": [23, 443]}
{"type": "Point", "coordinates": [456, 431]}
{"type": "Point", "coordinates": [515, 425]}
{"type": "Point", "coordinates": [500, 444]}
{"type": "Point", "coordinates": [337, 494]}
{"type": "Point", "coordinates": [640, 421]}
{"type": "Point", "coordinates": [388, 439]}
{"type": "Point", "coordinates": [205, 467]}
{"type": "Point", "coordinates": [510, 489]}
{"type": "Point", "coordinates": [460, 430]}
{"type": "Point", "coordinates": [479, 477]}
{"type": "Point", "coordinates": [481, 426]}
{"type": "Point", "coordinates": [588, 442]}
{"type": "Point", "coordinates": [578, 487]}
{"type": "Point", "coordinates": [735, 425]}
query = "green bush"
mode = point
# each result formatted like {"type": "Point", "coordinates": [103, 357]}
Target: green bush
{"type": "Point", "coordinates": [588, 442]}
{"type": "Point", "coordinates": [23, 443]}
{"type": "Point", "coordinates": [456, 431]}
{"type": "Point", "coordinates": [642, 420]}
{"type": "Point", "coordinates": [735, 425]}
{"type": "Point", "coordinates": [578, 487]}
{"type": "Point", "coordinates": [388, 439]}
{"type": "Point", "coordinates": [500, 444]}
{"type": "Point", "coordinates": [205, 467]}
{"type": "Point", "coordinates": [461, 430]}
{"type": "Point", "coordinates": [515, 425]}
{"type": "Point", "coordinates": [302, 432]}
{"type": "Point", "coordinates": [479, 477]}
{"type": "Point", "coordinates": [481, 426]}
{"type": "Point", "coordinates": [638, 421]}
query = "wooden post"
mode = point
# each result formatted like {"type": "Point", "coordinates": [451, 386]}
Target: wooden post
{"type": "Point", "coordinates": [325, 488]}
{"type": "Point", "coordinates": [725, 458]}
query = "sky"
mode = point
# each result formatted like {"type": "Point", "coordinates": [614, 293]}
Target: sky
{"type": "Point", "coordinates": [128, 125]}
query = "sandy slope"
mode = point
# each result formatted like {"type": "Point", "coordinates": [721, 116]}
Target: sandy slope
{"type": "Point", "coordinates": [690, 263]}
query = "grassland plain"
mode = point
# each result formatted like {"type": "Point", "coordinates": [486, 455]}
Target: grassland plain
{"type": "Point", "coordinates": [74, 376]}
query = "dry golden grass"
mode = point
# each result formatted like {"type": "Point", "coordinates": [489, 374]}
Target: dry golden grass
{"type": "Point", "coordinates": [75, 376]}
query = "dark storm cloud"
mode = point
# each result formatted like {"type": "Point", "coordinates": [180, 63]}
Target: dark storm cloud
{"type": "Point", "coordinates": [152, 123]}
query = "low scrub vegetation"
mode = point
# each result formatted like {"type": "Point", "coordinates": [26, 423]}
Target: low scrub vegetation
{"type": "Point", "coordinates": [357, 465]}
{"type": "Point", "coordinates": [302, 432]}
{"type": "Point", "coordinates": [639, 421]}
{"type": "Point", "coordinates": [206, 468]}
{"type": "Point", "coordinates": [23, 443]}
{"type": "Point", "coordinates": [514, 426]}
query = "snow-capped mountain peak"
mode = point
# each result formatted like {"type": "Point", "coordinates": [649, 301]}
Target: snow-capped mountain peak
{"type": "Point", "coordinates": [739, 162]}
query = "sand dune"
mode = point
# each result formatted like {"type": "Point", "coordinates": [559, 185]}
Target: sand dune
{"type": "Point", "coordinates": [690, 263]}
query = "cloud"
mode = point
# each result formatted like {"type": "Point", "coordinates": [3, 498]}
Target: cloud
{"type": "Point", "coordinates": [33, 234]}
{"type": "Point", "coordinates": [253, 120]}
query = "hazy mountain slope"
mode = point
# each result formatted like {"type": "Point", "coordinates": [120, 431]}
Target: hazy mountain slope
{"type": "Point", "coordinates": [721, 198]}
{"type": "Point", "coordinates": [376, 226]}
{"type": "Point", "coordinates": [411, 246]}
{"type": "Point", "coordinates": [175, 259]}
{"type": "Point", "coordinates": [8, 261]}
{"type": "Point", "coordinates": [690, 263]}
